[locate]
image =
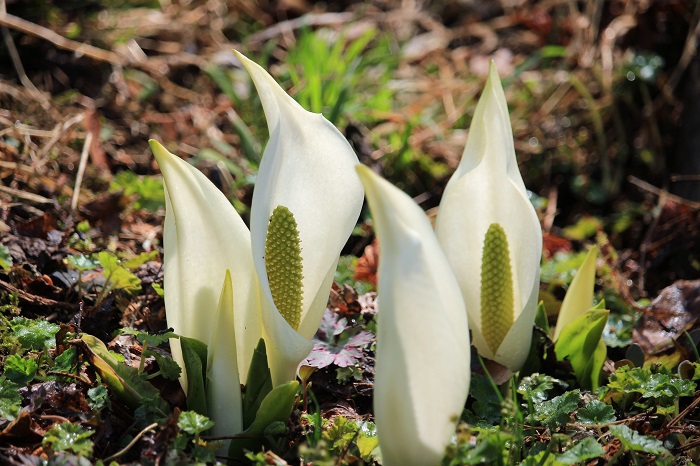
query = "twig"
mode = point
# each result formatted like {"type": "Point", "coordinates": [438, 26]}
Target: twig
{"type": "Point", "coordinates": [19, 68]}
{"type": "Point", "coordinates": [310, 19]}
{"type": "Point", "coordinates": [58, 130]}
{"type": "Point", "coordinates": [132, 443]}
{"type": "Point", "coordinates": [689, 51]}
{"type": "Point", "coordinates": [33, 299]}
{"type": "Point", "coordinates": [27, 27]}
{"type": "Point", "coordinates": [662, 192]}
{"type": "Point", "coordinates": [25, 195]}
{"type": "Point", "coordinates": [81, 170]}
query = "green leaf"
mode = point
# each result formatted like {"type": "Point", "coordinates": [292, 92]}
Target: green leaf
{"type": "Point", "coordinates": [535, 387]}
{"type": "Point", "coordinates": [116, 274]}
{"type": "Point", "coordinates": [487, 404]}
{"type": "Point", "coordinates": [557, 411]}
{"type": "Point", "coordinates": [194, 423]}
{"type": "Point", "coordinates": [559, 270]}
{"type": "Point", "coordinates": [585, 228]}
{"type": "Point", "coordinates": [34, 334]}
{"type": "Point", "coordinates": [158, 289]}
{"type": "Point", "coordinates": [596, 412]}
{"type": "Point", "coordinates": [65, 361]}
{"type": "Point", "coordinates": [5, 258]}
{"type": "Point", "coordinates": [194, 354]}
{"type": "Point", "coordinates": [659, 390]}
{"type": "Point", "coordinates": [98, 397]}
{"type": "Point", "coordinates": [634, 441]}
{"type": "Point", "coordinates": [258, 384]}
{"type": "Point", "coordinates": [276, 407]}
{"type": "Point", "coordinates": [169, 369]}
{"type": "Point", "coordinates": [82, 262]}
{"type": "Point", "coordinates": [581, 344]}
{"type": "Point", "coordinates": [10, 399]}
{"type": "Point", "coordinates": [148, 190]}
{"type": "Point", "coordinates": [68, 437]}
{"type": "Point", "coordinates": [366, 446]}
{"type": "Point", "coordinates": [340, 433]}
{"type": "Point", "coordinates": [139, 260]}
{"type": "Point", "coordinates": [148, 338]}
{"type": "Point", "coordinates": [122, 379]}
{"type": "Point", "coordinates": [585, 450]}
{"type": "Point", "coordinates": [20, 370]}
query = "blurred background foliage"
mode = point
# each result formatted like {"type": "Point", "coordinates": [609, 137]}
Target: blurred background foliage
{"type": "Point", "coordinates": [600, 95]}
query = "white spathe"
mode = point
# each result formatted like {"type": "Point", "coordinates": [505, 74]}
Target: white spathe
{"type": "Point", "coordinates": [203, 237]}
{"type": "Point", "coordinates": [487, 188]}
{"type": "Point", "coordinates": [422, 357]}
{"type": "Point", "coordinates": [307, 166]}
{"type": "Point", "coordinates": [211, 292]}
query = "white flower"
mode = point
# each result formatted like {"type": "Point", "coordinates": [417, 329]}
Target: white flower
{"type": "Point", "coordinates": [422, 357]}
{"type": "Point", "coordinates": [485, 203]}
{"type": "Point", "coordinates": [307, 167]}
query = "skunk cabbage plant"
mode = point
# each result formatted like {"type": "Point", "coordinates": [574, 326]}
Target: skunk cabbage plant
{"type": "Point", "coordinates": [491, 235]}
{"type": "Point", "coordinates": [422, 356]}
{"type": "Point", "coordinates": [305, 205]}
{"type": "Point", "coordinates": [579, 296]}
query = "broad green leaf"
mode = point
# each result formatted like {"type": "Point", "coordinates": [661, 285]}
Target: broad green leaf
{"type": "Point", "coordinates": [34, 334]}
{"type": "Point", "coordinates": [487, 404]}
{"type": "Point", "coordinates": [258, 384]}
{"type": "Point", "coordinates": [194, 423]}
{"type": "Point", "coordinates": [535, 387]}
{"type": "Point", "coordinates": [10, 399]}
{"type": "Point", "coordinates": [586, 227]}
{"type": "Point", "coordinates": [122, 379]}
{"type": "Point", "coordinates": [585, 450]}
{"type": "Point", "coordinates": [5, 258]}
{"type": "Point", "coordinates": [557, 411]}
{"type": "Point", "coordinates": [20, 370]}
{"type": "Point", "coordinates": [648, 390]}
{"type": "Point", "coordinates": [194, 353]}
{"type": "Point", "coordinates": [139, 260]}
{"type": "Point", "coordinates": [366, 445]}
{"type": "Point", "coordinates": [148, 190]}
{"type": "Point", "coordinates": [69, 437]}
{"type": "Point", "coordinates": [82, 262]}
{"type": "Point", "coordinates": [158, 289]}
{"type": "Point", "coordinates": [168, 368]}
{"type": "Point", "coordinates": [98, 397]}
{"type": "Point", "coordinates": [634, 441]}
{"type": "Point", "coordinates": [65, 361]}
{"type": "Point", "coordinates": [580, 343]}
{"type": "Point", "coordinates": [340, 433]}
{"type": "Point", "coordinates": [596, 412]}
{"type": "Point", "coordinates": [116, 274]}
{"type": "Point", "coordinates": [276, 407]}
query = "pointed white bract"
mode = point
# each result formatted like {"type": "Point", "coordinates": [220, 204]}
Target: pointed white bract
{"type": "Point", "coordinates": [306, 167]}
{"type": "Point", "coordinates": [223, 379]}
{"type": "Point", "coordinates": [422, 358]}
{"type": "Point", "coordinates": [579, 296]}
{"type": "Point", "coordinates": [203, 237]}
{"type": "Point", "coordinates": [487, 189]}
